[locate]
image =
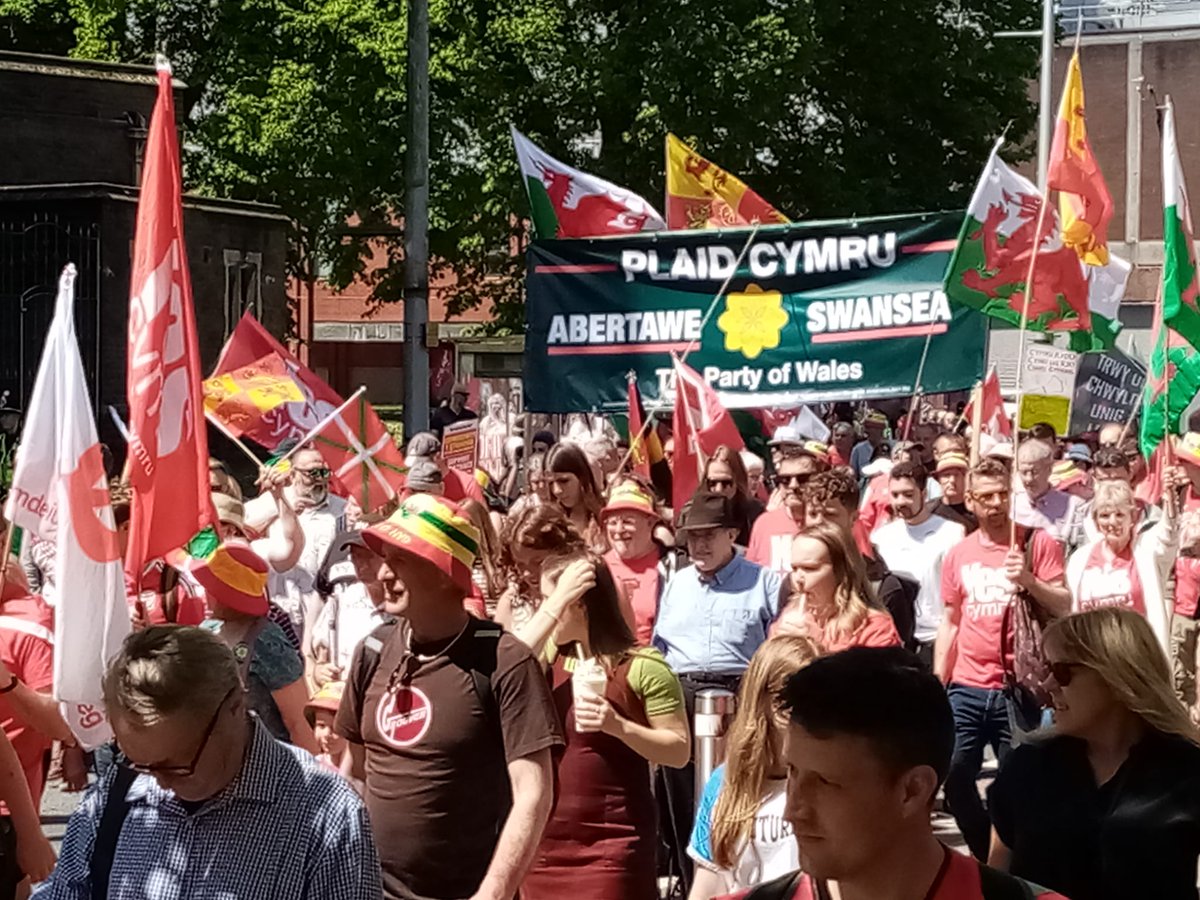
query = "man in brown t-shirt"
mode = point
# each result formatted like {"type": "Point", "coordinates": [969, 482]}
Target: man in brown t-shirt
{"type": "Point", "coordinates": [450, 721]}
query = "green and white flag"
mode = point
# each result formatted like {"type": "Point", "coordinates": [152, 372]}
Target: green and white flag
{"type": "Point", "coordinates": [1180, 309]}
{"type": "Point", "coordinates": [1174, 376]}
{"type": "Point", "coordinates": [568, 203]}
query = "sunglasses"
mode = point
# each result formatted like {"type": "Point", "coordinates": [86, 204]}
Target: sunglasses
{"type": "Point", "coordinates": [190, 769]}
{"type": "Point", "coordinates": [1063, 672]}
{"type": "Point", "coordinates": [714, 483]}
{"type": "Point", "coordinates": [795, 480]}
{"type": "Point", "coordinates": [316, 473]}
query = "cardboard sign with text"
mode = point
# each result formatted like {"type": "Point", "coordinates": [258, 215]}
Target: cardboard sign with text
{"type": "Point", "coordinates": [460, 445]}
{"type": "Point", "coordinates": [1047, 383]}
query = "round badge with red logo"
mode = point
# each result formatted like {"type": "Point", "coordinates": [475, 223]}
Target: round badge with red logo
{"type": "Point", "coordinates": [403, 716]}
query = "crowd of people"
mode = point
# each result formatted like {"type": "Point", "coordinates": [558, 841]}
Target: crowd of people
{"type": "Point", "coordinates": [487, 690]}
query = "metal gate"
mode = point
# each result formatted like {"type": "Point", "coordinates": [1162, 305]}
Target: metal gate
{"type": "Point", "coordinates": [34, 247]}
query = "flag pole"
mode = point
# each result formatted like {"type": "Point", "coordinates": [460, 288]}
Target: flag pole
{"type": "Point", "coordinates": [233, 439]}
{"type": "Point", "coordinates": [1038, 238]}
{"type": "Point", "coordinates": [322, 425]}
{"type": "Point", "coordinates": [1159, 325]}
{"type": "Point", "coordinates": [912, 409]}
{"type": "Point", "coordinates": [976, 421]}
{"type": "Point", "coordinates": [720, 293]}
{"type": "Point", "coordinates": [4, 560]}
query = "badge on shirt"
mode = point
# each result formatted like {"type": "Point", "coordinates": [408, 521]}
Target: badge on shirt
{"type": "Point", "coordinates": [403, 716]}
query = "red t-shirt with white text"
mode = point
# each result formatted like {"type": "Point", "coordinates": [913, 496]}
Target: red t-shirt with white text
{"type": "Point", "coordinates": [771, 540]}
{"type": "Point", "coordinates": [974, 579]}
{"type": "Point", "coordinates": [1109, 579]}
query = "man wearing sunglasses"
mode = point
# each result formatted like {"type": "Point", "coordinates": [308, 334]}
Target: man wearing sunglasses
{"type": "Point", "coordinates": [980, 577]}
{"type": "Point", "coordinates": [321, 517]}
{"type": "Point", "coordinates": [771, 538]}
{"type": "Point", "coordinates": [207, 803]}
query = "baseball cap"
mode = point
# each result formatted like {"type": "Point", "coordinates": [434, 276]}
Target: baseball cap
{"type": "Point", "coordinates": [1001, 450]}
{"type": "Point", "coordinates": [424, 475]}
{"type": "Point", "coordinates": [230, 511]}
{"type": "Point", "coordinates": [233, 575]}
{"type": "Point", "coordinates": [423, 443]}
{"type": "Point", "coordinates": [786, 434]}
{"type": "Point", "coordinates": [1079, 453]}
{"type": "Point", "coordinates": [430, 528]}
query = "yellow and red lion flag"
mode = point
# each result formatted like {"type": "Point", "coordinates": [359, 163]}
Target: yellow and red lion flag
{"type": "Point", "coordinates": [1085, 204]}
{"type": "Point", "coordinates": [241, 397]}
{"type": "Point", "coordinates": [701, 194]}
{"type": "Point", "coordinates": [168, 443]}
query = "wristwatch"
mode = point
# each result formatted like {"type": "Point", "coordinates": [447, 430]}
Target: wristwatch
{"type": "Point", "coordinates": [11, 685]}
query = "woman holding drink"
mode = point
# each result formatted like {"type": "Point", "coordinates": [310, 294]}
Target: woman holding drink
{"type": "Point", "coordinates": [622, 710]}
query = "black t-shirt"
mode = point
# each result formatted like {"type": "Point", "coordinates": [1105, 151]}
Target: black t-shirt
{"type": "Point", "coordinates": [956, 512]}
{"type": "Point", "coordinates": [444, 415]}
{"type": "Point", "coordinates": [437, 784]}
{"type": "Point", "coordinates": [1136, 836]}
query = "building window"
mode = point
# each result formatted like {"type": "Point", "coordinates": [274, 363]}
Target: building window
{"type": "Point", "coordinates": [243, 286]}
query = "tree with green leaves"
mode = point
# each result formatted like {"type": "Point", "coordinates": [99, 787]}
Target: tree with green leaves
{"type": "Point", "coordinates": [827, 109]}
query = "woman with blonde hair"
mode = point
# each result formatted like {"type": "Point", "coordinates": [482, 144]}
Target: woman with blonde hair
{"type": "Point", "coordinates": [832, 601]}
{"type": "Point", "coordinates": [739, 838]}
{"type": "Point", "coordinates": [1107, 804]}
{"type": "Point", "coordinates": [1126, 566]}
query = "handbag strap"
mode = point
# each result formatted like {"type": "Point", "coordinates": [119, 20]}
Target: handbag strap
{"type": "Point", "coordinates": [104, 850]}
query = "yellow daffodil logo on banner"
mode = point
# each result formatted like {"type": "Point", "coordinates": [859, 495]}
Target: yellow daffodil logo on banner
{"type": "Point", "coordinates": [753, 321]}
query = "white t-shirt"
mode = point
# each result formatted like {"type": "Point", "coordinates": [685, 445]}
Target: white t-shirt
{"type": "Point", "coordinates": [771, 851]}
{"type": "Point", "coordinates": [347, 617]}
{"type": "Point", "coordinates": [917, 551]}
{"type": "Point", "coordinates": [294, 589]}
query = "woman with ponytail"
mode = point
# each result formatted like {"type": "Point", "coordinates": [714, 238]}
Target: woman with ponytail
{"type": "Point", "coordinates": [740, 837]}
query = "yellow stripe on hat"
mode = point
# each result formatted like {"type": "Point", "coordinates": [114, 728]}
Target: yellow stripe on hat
{"type": "Point", "coordinates": [238, 576]}
{"type": "Point", "coordinates": [434, 523]}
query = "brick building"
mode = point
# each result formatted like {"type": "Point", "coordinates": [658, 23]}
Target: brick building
{"type": "Point", "coordinates": [72, 146]}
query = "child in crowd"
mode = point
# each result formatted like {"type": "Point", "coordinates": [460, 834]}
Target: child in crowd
{"type": "Point", "coordinates": [320, 712]}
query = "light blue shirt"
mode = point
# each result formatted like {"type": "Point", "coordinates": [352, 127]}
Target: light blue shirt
{"type": "Point", "coordinates": [712, 625]}
{"type": "Point", "coordinates": [285, 827]}
{"type": "Point", "coordinates": [860, 456]}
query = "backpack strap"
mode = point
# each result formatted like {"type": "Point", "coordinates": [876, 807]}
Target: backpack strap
{"type": "Point", "coordinates": [996, 885]}
{"type": "Point", "coordinates": [785, 887]}
{"type": "Point", "coordinates": [244, 650]}
{"type": "Point", "coordinates": [370, 654]}
{"type": "Point", "coordinates": [104, 850]}
{"type": "Point", "coordinates": [486, 644]}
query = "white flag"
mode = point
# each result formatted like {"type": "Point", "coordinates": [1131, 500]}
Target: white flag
{"type": "Point", "coordinates": [809, 424]}
{"type": "Point", "coordinates": [60, 494]}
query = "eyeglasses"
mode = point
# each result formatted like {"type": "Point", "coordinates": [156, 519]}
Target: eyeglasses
{"type": "Point", "coordinates": [316, 473]}
{"type": "Point", "coordinates": [1063, 672]}
{"type": "Point", "coordinates": [717, 483]}
{"type": "Point", "coordinates": [795, 480]}
{"type": "Point", "coordinates": [190, 769]}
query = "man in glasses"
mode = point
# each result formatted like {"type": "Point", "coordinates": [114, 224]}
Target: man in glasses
{"type": "Point", "coordinates": [771, 538]}
{"type": "Point", "coordinates": [321, 517]}
{"type": "Point", "coordinates": [980, 577]}
{"type": "Point", "coordinates": [207, 803]}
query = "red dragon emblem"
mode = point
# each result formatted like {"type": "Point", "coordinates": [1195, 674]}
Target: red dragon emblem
{"type": "Point", "coordinates": [1058, 277]}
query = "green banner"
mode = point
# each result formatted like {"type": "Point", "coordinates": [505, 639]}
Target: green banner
{"type": "Point", "coordinates": [815, 311]}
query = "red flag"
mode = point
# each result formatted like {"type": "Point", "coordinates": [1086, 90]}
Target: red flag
{"type": "Point", "coordinates": [637, 422]}
{"type": "Point", "coordinates": [168, 445]}
{"type": "Point", "coordinates": [365, 461]}
{"type": "Point", "coordinates": [992, 417]}
{"type": "Point", "coordinates": [701, 425]}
